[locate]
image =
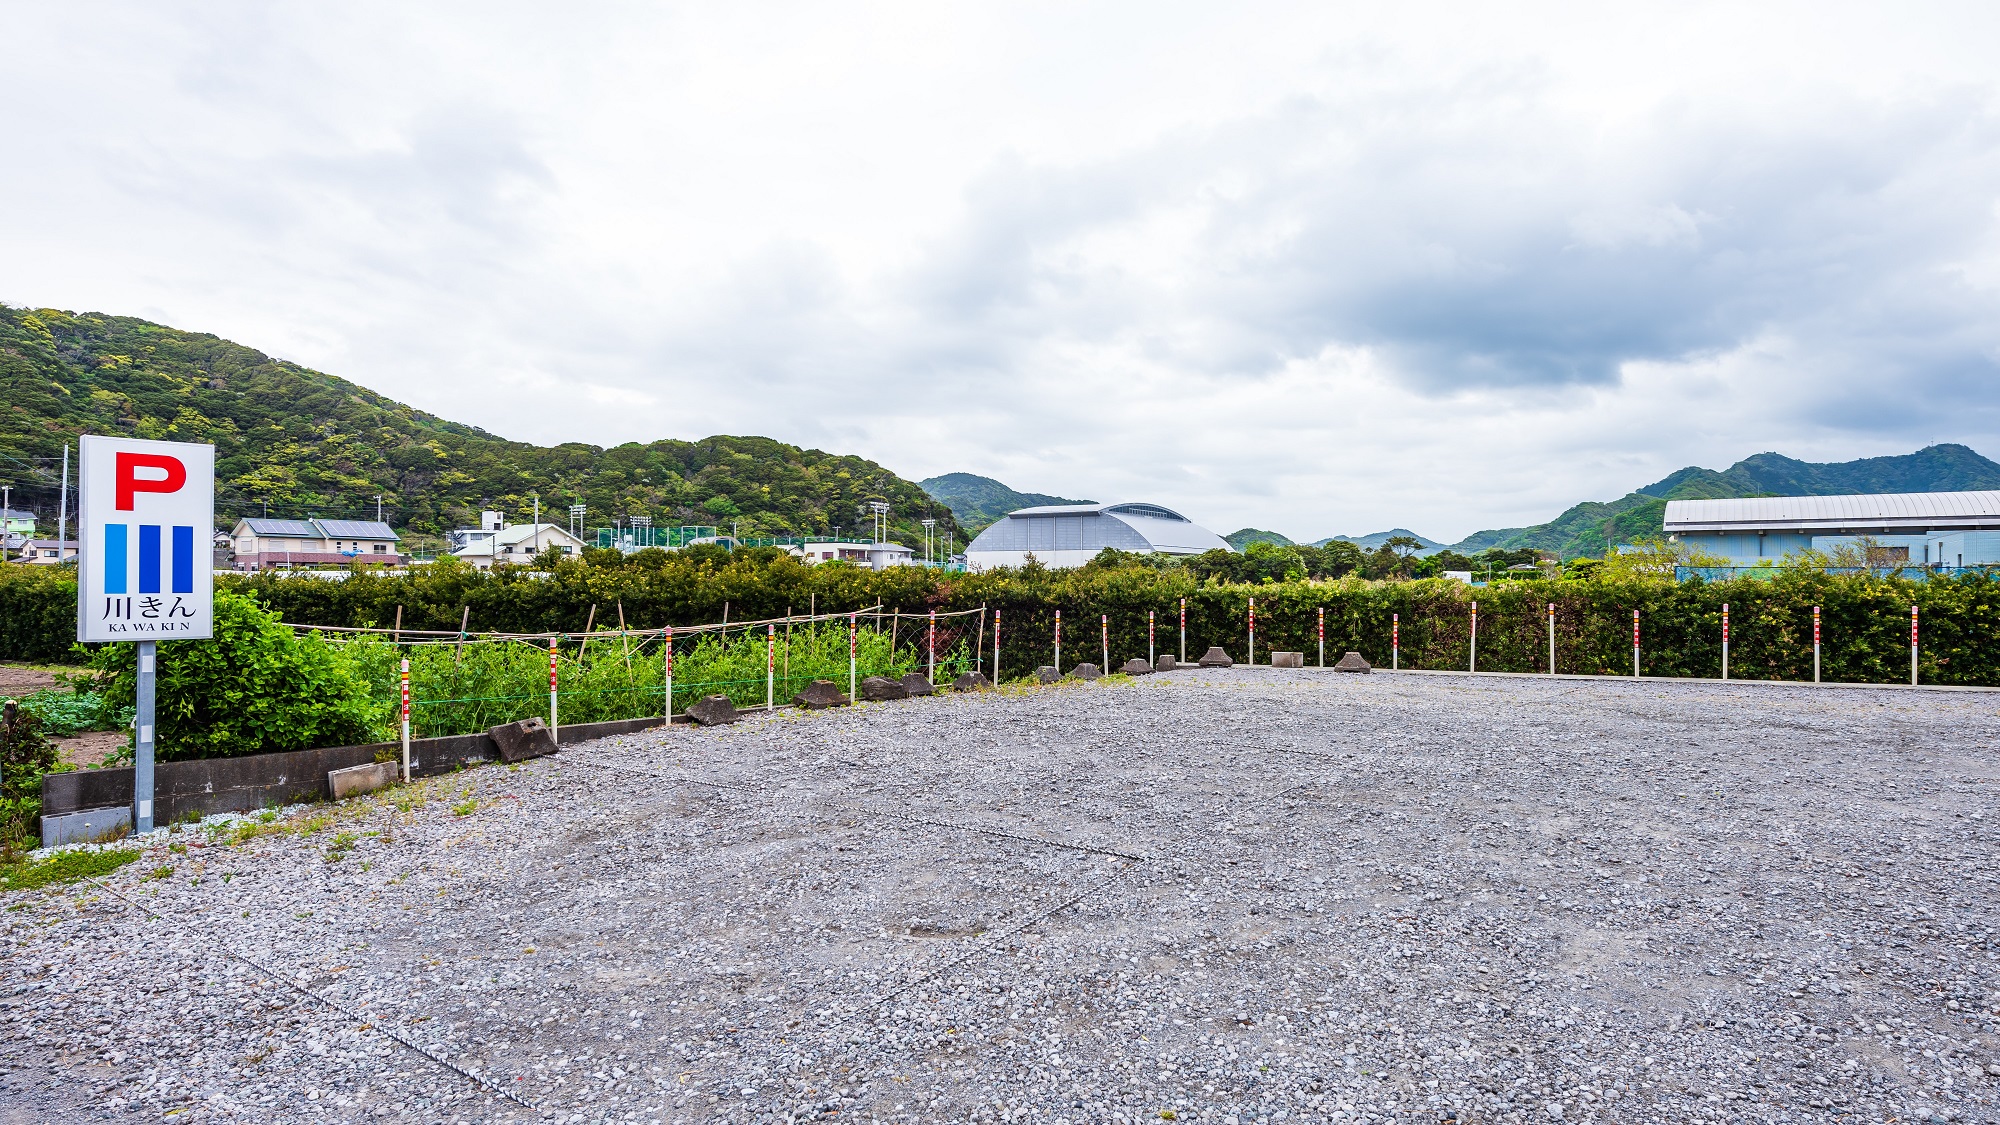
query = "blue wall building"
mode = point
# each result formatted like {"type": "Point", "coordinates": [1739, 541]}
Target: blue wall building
{"type": "Point", "coordinates": [1926, 529]}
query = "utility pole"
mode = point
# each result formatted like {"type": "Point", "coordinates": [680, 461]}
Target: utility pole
{"type": "Point", "coordinates": [378, 507]}
{"type": "Point", "coordinates": [62, 507]}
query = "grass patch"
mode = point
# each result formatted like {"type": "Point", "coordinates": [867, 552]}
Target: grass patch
{"type": "Point", "coordinates": [64, 867]}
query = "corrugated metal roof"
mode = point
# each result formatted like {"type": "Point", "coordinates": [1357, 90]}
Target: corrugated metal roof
{"type": "Point", "coordinates": [1917, 510]}
{"type": "Point", "coordinates": [1059, 510]}
{"type": "Point", "coordinates": [296, 529]}
{"type": "Point", "coordinates": [357, 529]}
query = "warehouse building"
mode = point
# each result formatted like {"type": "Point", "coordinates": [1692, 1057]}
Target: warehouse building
{"type": "Point", "coordinates": [1924, 529]}
{"type": "Point", "coordinates": [1073, 534]}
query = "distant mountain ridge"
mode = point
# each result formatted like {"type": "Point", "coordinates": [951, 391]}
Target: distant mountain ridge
{"type": "Point", "coordinates": [977, 501]}
{"type": "Point", "coordinates": [1591, 527]}
{"type": "Point", "coordinates": [1374, 539]}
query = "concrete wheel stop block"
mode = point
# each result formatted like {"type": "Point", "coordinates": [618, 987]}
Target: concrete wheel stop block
{"type": "Point", "coordinates": [1288, 660]}
{"type": "Point", "coordinates": [881, 689]}
{"type": "Point", "coordinates": [1136, 667]}
{"type": "Point", "coordinates": [1352, 662]}
{"type": "Point", "coordinates": [356, 780]}
{"type": "Point", "coordinates": [713, 710]}
{"type": "Point", "coordinates": [1216, 658]}
{"type": "Point", "coordinates": [518, 742]}
{"type": "Point", "coordinates": [970, 681]}
{"type": "Point", "coordinates": [916, 683]}
{"type": "Point", "coordinates": [89, 824]}
{"type": "Point", "coordinates": [820, 695]}
{"type": "Point", "coordinates": [1084, 671]}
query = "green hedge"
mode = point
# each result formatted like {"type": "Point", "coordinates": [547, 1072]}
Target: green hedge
{"type": "Point", "coordinates": [37, 612]}
{"type": "Point", "coordinates": [1866, 619]}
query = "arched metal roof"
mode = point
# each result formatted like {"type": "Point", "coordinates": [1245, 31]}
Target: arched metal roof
{"type": "Point", "coordinates": [1066, 528]}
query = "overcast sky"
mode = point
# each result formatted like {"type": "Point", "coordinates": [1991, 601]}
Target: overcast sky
{"type": "Point", "coordinates": [1311, 268]}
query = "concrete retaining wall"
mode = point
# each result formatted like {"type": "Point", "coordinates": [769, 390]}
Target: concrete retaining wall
{"type": "Point", "coordinates": [213, 785]}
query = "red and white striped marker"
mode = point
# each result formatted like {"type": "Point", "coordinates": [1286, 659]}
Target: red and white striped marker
{"type": "Point", "coordinates": [1913, 646]}
{"type": "Point", "coordinates": [1815, 644]}
{"type": "Point", "coordinates": [406, 720]}
{"type": "Point", "coordinates": [552, 689]}
{"type": "Point", "coordinates": [1395, 641]}
{"type": "Point", "coordinates": [1725, 640]}
{"type": "Point", "coordinates": [668, 640]}
{"type": "Point", "coordinates": [1635, 644]}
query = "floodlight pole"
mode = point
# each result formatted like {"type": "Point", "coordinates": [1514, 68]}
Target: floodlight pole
{"type": "Point", "coordinates": [142, 755]}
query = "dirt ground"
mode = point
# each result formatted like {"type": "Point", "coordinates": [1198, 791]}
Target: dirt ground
{"type": "Point", "coordinates": [84, 751]}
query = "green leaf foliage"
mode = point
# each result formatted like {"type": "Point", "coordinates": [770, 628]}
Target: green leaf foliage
{"type": "Point", "coordinates": [306, 443]}
{"type": "Point", "coordinates": [255, 687]}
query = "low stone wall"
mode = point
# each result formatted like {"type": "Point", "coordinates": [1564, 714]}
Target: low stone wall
{"type": "Point", "coordinates": [213, 785]}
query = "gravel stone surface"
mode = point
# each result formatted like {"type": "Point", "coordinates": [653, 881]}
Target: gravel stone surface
{"type": "Point", "coordinates": [1228, 895]}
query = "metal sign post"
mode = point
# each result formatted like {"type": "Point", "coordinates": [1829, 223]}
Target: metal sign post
{"type": "Point", "coordinates": [145, 571]}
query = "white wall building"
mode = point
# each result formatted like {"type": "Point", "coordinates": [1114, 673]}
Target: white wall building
{"type": "Point", "coordinates": [1924, 529]}
{"type": "Point", "coordinates": [1072, 534]}
{"type": "Point", "coordinates": [519, 545]}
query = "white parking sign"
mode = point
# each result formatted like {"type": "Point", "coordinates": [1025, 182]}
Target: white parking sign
{"type": "Point", "coordinates": [146, 540]}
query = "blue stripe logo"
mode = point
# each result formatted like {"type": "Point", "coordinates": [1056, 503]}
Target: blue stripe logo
{"type": "Point", "coordinates": [118, 558]}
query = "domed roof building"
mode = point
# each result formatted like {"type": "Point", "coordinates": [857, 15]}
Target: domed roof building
{"type": "Point", "coordinates": [1073, 534]}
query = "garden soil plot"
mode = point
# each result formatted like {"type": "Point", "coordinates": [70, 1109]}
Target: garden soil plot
{"type": "Point", "coordinates": [1245, 895]}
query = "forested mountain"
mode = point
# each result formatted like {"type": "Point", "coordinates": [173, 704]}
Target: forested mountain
{"type": "Point", "coordinates": [977, 501]}
{"type": "Point", "coordinates": [1374, 539]}
{"type": "Point", "coordinates": [1590, 527]}
{"type": "Point", "coordinates": [1243, 537]}
{"type": "Point", "coordinates": [298, 442]}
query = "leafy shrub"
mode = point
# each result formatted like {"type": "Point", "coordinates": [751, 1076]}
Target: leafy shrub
{"type": "Point", "coordinates": [25, 756]}
{"type": "Point", "coordinates": [255, 687]}
{"type": "Point", "coordinates": [67, 713]}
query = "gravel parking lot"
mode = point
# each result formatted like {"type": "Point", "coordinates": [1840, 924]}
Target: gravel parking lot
{"type": "Point", "coordinates": [1234, 896]}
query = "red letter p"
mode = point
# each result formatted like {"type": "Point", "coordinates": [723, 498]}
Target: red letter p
{"type": "Point", "coordinates": [128, 483]}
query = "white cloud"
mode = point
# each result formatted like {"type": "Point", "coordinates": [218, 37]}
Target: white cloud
{"type": "Point", "coordinates": [1323, 270]}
